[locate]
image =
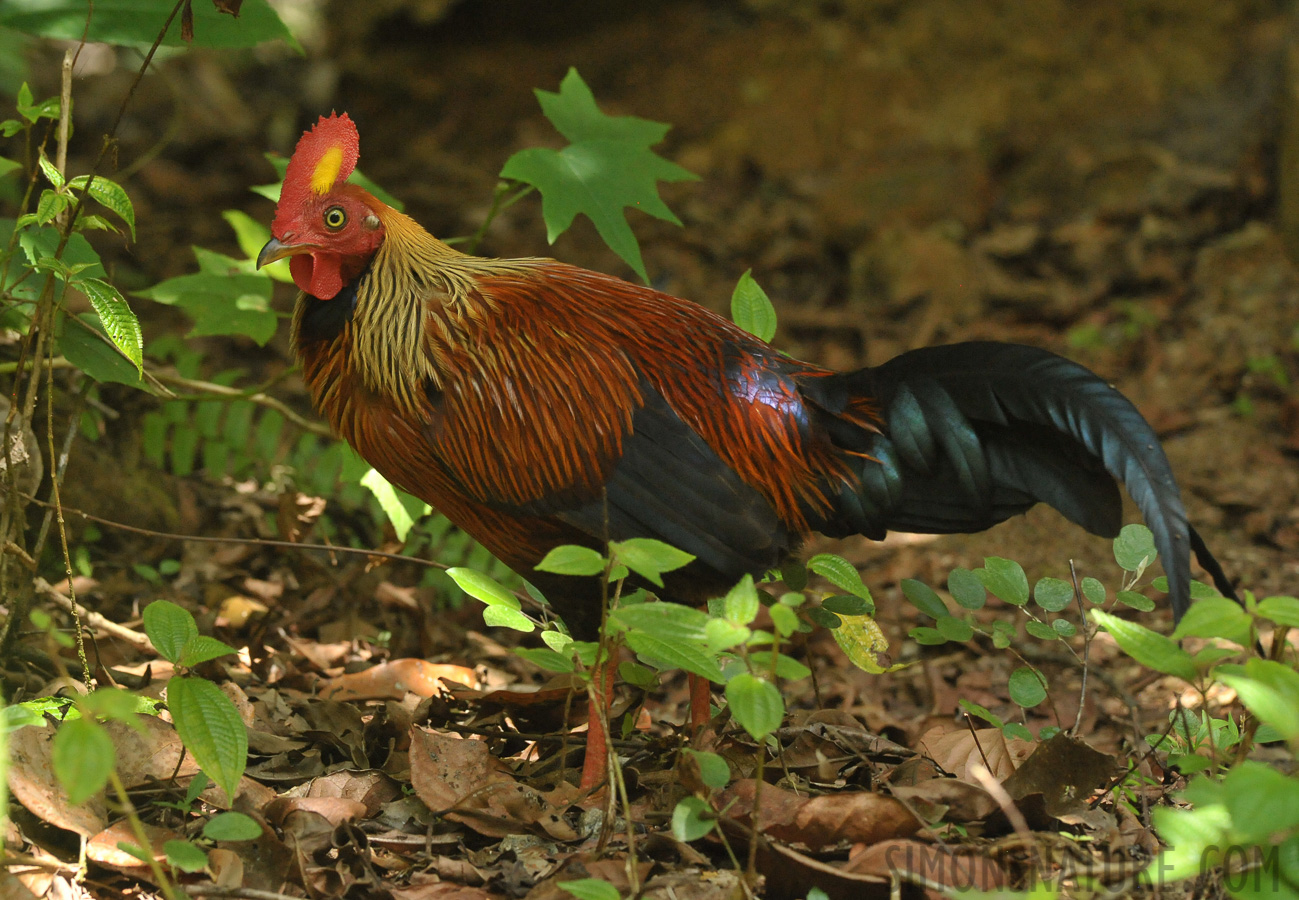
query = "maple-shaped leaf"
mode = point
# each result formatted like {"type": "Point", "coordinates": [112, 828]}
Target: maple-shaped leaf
{"type": "Point", "coordinates": [607, 166]}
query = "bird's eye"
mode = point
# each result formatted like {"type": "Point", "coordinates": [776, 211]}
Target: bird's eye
{"type": "Point", "coordinates": [335, 218]}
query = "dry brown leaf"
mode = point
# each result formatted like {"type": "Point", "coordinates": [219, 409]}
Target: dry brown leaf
{"type": "Point", "coordinates": [393, 680]}
{"type": "Point", "coordinates": [918, 863]}
{"type": "Point", "coordinates": [859, 818]}
{"type": "Point", "coordinates": [102, 848]}
{"type": "Point", "coordinates": [1065, 771]}
{"type": "Point", "coordinates": [956, 750]}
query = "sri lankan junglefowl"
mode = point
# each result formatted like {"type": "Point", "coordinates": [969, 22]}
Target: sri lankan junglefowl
{"type": "Point", "coordinates": [537, 404]}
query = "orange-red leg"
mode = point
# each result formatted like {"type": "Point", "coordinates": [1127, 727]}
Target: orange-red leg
{"type": "Point", "coordinates": [595, 767]}
{"type": "Point", "coordinates": [701, 698]}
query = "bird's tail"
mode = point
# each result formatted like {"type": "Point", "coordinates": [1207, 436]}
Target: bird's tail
{"type": "Point", "coordinates": [975, 433]}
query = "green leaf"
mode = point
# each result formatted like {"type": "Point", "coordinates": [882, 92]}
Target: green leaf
{"type": "Point", "coordinates": [40, 244]}
{"type": "Point", "coordinates": [1017, 730]}
{"type": "Point", "coordinates": [170, 628]}
{"type": "Point", "coordinates": [544, 657]}
{"type": "Point", "coordinates": [649, 558]}
{"type": "Point", "coordinates": [231, 826]}
{"type": "Point", "coordinates": [980, 712]}
{"type": "Point", "coordinates": [120, 323]}
{"type": "Point", "coordinates": [787, 667]}
{"type": "Point", "coordinates": [8, 165]}
{"type": "Point", "coordinates": [50, 205]}
{"type": "Point", "coordinates": [1281, 610]}
{"type": "Point", "coordinates": [184, 856]}
{"type": "Point", "coordinates": [590, 889]}
{"type": "Point", "coordinates": [1027, 687]}
{"type": "Point", "coordinates": [211, 729]}
{"type": "Point", "coordinates": [966, 589]}
{"type": "Point", "coordinates": [847, 605]}
{"type": "Point", "coordinates": [221, 304]}
{"type": "Point", "coordinates": [137, 22]}
{"type": "Point", "coordinates": [928, 637]}
{"type": "Point", "coordinates": [954, 629]}
{"type": "Point", "coordinates": [755, 703]}
{"type": "Point", "coordinates": [784, 619]}
{"type": "Point", "coordinates": [32, 112]}
{"type": "Point", "coordinates": [1270, 690]}
{"type": "Point", "coordinates": [842, 574]}
{"type": "Point", "coordinates": [82, 758]}
{"type": "Point", "coordinates": [692, 819]}
{"type": "Point", "coordinates": [751, 308]}
{"type": "Point", "coordinates": [1003, 634]}
{"type": "Point", "coordinates": [1041, 631]}
{"type": "Point", "coordinates": [571, 559]}
{"type": "Point", "coordinates": [1004, 578]}
{"type": "Point", "coordinates": [1147, 647]}
{"type": "Point", "coordinates": [1134, 548]}
{"type": "Point", "coordinates": [713, 769]}
{"type": "Point", "coordinates": [923, 598]}
{"type": "Point", "coordinates": [484, 588]}
{"type": "Point", "coordinates": [504, 617]}
{"type": "Point", "coordinates": [1093, 591]}
{"type": "Point", "coordinates": [51, 173]}
{"type": "Point", "coordinates": [863, 642]}
{"type": "Point", "coordinates": [84, 344]}
{"type": "Point", "coordinates": [1053, 594]}
{"type": "Point", "coordinates": [1216, 617]}
{"type": "Point", "coordinates": [606, 167]}
{"type": "Point", "coordinates": [110, 195]}
{"type": "Point", "coordinates": [390, 500]}
{"type": "Point", "coordinates": [740, 605]}
{"type": "Point", "coordinates": [1133, 600]}
{"type": "Point", "coordinates": [723, 634]}
{"type": "Point", "coordinates": [201, 648]}
{"type": "Point", "coordinates": [1064, 627]}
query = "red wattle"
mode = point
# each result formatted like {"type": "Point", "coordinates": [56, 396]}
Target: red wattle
{"type": "Point", "coordinates": [319, 276]}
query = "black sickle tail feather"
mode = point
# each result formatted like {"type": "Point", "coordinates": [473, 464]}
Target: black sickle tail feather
{"type": "Point", "coordinates": [975, 433]}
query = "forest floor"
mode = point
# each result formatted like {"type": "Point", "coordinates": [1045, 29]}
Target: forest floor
{"type": "Point", "coordinates": [1101, 180]}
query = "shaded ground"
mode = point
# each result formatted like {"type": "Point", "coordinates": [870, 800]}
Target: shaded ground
{"type": "Point", "coordinates": [1102, 180]}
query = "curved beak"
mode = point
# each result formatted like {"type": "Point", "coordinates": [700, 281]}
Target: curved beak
{"type": "Point", "coordinates": [275, 249]}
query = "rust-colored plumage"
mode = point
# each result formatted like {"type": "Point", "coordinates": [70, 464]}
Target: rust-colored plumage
{"type": "Point", "coordinates": [536, 403]}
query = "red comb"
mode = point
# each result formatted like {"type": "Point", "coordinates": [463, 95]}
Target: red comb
{"type": "Point", "coordinates": [325, 156]}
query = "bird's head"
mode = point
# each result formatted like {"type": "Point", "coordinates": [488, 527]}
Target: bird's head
{"type": "Point", "coordinates": [328, 227]}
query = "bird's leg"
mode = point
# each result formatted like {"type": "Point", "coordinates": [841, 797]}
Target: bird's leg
{"type": "Point", "coordinates": [595, 768]}
{"type": "Point", "coordinates": [701, 699]}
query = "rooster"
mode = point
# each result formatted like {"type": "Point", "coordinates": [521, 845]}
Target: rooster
{"type": "Point", "coordinates": [537, 404]}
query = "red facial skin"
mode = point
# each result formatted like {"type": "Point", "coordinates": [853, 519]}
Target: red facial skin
{"type": "Point", "coordinates": [338, 252]}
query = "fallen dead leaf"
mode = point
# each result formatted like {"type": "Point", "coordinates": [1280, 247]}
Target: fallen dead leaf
{"type": "Point", "coordinates": [925, 864]}
{"type": "Point", "coordinates": [393, 680]}
{"type": "Point", "coordinates": [956, 750]}
{"type": "Point", "coordinates": [859, 818]}
{"type": "Point", "coordinates": [1065, 771]}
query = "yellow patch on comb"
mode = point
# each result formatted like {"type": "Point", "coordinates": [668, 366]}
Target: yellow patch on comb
{"type": "Point", "coordinates": [326, 171]}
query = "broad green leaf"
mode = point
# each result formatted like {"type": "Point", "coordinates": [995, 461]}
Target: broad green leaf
{"type": "Point", "coordinates": [661, 653]}
{"type": "Point", "coordinates": [170, 627]}
{"type": "Point", "coordinates": [184, 856]}
{"type": "Point", "coordinates": [590, 889]}
{"type": "Point", "coordinates": [1262, 802]}
{"type": "Point", "coordinates": [1003, 634]}
{"type": "Point", "coordinates": [1041, 631]}
{"type": "Point", "coordinates": [8, 165]}
{"type": "Point", "coordinates": [82, 757]}
{"type": "Point", "coordinates": [556, 640]}
{"type": "Point", "coordinates": [649, 558]}
{"type": "Point", "coordinates": [692, 819]}
{"type": "Point", "coordinates": [231, 826]}
{"type": "Point", "coordinates": [504, 617]}
{"type": "Point", "coordinates": [756, 704]}
{"type": "Point", "coordinates": [1216, 617]}
{"type": "Point", "coordinates": [1199, 590]}
{"type": "Point", "coordinates": [1134, 548]}
{"type": "Point", "coordinates": [1093, 591]}
{"type": "Point", "coordinates": [120, 323]}
{"type": "Point", "coordinates": [1027, 687]}
{"type": "Point", "coordinates": [741, 603]}
{"type": "Point", "coordinates": [713, 769]}
{"type": "Point", "coordinates": [221, 304]}
{"type": "Point", "coordinates": [1133, 600]}
{"type": "Point", "coordinates": [668, 621]}
{"type": "Point", "coordinates": [32, 111]}
{"type": "Point", "coordinates": [841, 573]}
{"type": "Point", "coordinates": [211, 729]}
{"type": "Point", "coordinates": [50, 204]}
{"type": "Point", "coordinates": [41, 243]}
{"type": "Point", "coordinates": [110, 195]}
{"type": "Point", "coordinates": [923, 598]}
{"type": "Point", "coordinates": [1052, 594]}
{"type": "Point", "coordinates": [251, 235]}
{"type": "Point", "coordinates": [607, 166]}
{"type": "Point", "coordinates": [83, 343]}
{"type": "Point", "coordinates": [723, 634]}
{"type": "Point", "coordinates": [1004, 578]}
{"type": "Point", "coordinates": [783, 619]}
{"type": "Point", "coordinates": [925, 636]}
{"type": "Point", "coordinates": [864, 643]}
{"type": "Point", "coordinates": [543, 657]}
{"type": "Point", "coordinates": [954, 629]}
{"type": "Point", "coordinates": [787, 667]}
{"type": "Point", "coordinates": [1281, 610]}
{"type": "Point", "coordinates": [137, 22]}
{"type": "Point", "coordinates": [751, 308]}
{"type": "Point", "coordinates": [980, 712]}
{"type": "Point", "coordinates": [1147, 647]}
{"type": "Point", "coordinates": [847, 605]}
{"type": "Point", "coordinates": [50, 171]}
{"type": "Point", "coordinates": [203, 647]}
{"type": "Point", "coordinates": [1270, 690]}
{"type": "Point", "coordinates": [1064, 627]}
{"type": "Point", "coordinates": [483, 587]}
{"type": "Point", "coordinates": [391, 501]}
{"type": "Point", "coordinates": [966, 589]}
{"type": "Point", "coordinates": [571, 559]}
{"type": "Point", "coordinates": [1017, 730]}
